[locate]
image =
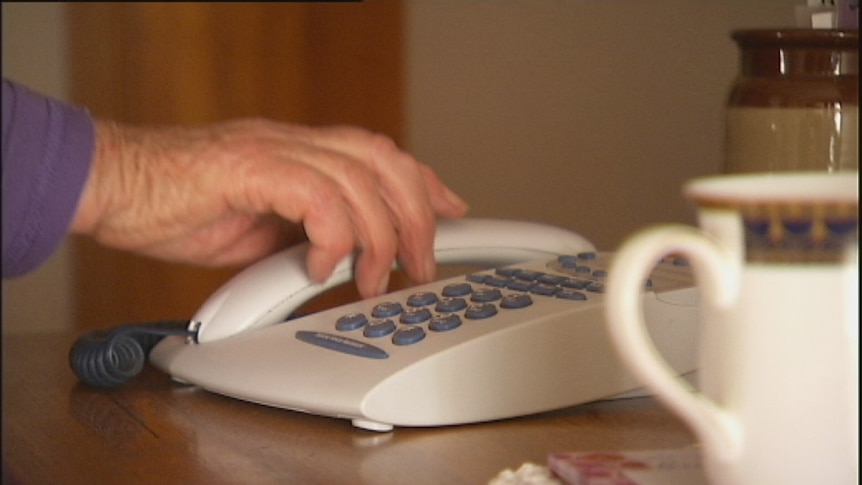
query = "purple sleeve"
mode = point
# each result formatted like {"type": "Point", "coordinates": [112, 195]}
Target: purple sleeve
{"type": "Point", "coordinates": [47, 147]}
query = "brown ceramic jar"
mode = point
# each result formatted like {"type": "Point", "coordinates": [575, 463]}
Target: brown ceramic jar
{"type": "Point", "coordinates": [795, 104]}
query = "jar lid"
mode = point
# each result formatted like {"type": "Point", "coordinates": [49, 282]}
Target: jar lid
{"type": "Point", "coordinates": [795, 52]}
{"type": "Point", "coordinates": [840, 38]}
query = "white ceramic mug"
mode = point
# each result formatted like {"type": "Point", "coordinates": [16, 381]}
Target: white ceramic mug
{"type": "Point", "coordinates": [775, 259]}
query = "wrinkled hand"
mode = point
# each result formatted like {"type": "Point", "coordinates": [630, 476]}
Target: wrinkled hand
{"type": "Point", "coordinates": [232, 193]}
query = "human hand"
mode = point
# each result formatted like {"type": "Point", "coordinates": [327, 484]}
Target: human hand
{"type": "Point", "coordinates": [234, 192]}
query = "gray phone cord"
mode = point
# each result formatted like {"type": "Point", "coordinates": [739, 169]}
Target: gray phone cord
{"type": "Point", "coordinates": [109, 358]}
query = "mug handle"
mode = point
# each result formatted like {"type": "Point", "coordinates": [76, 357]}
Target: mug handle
{"type": "Point", "coordinates": [715, 272]}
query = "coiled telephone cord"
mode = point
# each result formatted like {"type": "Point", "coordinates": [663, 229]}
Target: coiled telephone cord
{"type": "Point", "coordinates": [109, 358]}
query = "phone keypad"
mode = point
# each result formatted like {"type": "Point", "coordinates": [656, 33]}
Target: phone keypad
{"type": "Point", "coordinates": [479, 296]}
{"type": "Point", "coordinates": [474, 297]}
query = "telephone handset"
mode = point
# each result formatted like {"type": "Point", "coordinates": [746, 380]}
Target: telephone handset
{"type": "Point", "coordinates": [270, 290]}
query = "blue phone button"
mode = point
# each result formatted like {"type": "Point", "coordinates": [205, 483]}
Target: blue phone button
{"type": "Point", "coordinates": [408, 335]}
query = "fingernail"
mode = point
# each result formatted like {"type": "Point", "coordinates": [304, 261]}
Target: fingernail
{"type": "Point", "coordinates": [430, 269]}
{"type": "Point", "coordinates": [456, 201]}
{"type": "Point", "coordinates": [383, 286]}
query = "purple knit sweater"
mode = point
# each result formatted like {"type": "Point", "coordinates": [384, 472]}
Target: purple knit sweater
{"type": "Point", "coordinates": [47, 148]}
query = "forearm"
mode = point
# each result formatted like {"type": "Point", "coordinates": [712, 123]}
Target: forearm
{"type": "Point", "coordinates": [164, 192]}
{"type": "Point", "coordinates": [116, 169]}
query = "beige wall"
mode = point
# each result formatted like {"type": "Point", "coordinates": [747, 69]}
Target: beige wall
{"type": "Point", "coordinates": [33, 53]}
{"type": "Point", "coordinates": [582, 113]}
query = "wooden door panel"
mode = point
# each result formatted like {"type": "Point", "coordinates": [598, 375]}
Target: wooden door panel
{"type": "Point", "coordinates": [170, 63]}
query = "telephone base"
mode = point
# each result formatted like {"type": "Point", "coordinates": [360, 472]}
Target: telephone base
{"type": "Point", "coordinates": [552, 352]}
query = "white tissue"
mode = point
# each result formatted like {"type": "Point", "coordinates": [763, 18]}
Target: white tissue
{"type": "Point", "coordinates": [527, 474]}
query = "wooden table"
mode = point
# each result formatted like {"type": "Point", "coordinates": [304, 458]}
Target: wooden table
{"type": "Point", "coordinates": [57, 431]}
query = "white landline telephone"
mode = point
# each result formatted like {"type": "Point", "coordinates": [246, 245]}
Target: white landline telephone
{"type": "Point", "coordinates": [523, 336]}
